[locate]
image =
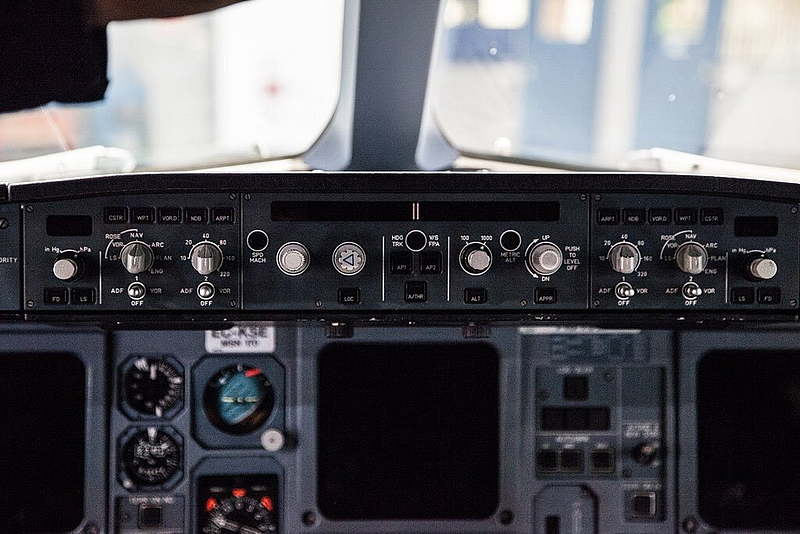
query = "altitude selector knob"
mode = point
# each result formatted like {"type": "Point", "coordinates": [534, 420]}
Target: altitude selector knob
{"type": "Point", "coordinates": [206, 257]}
{"type": "Point", "coordinates": [624, 257]}
{"type": "Point", "coordinates": [136, 257]}
{"type": "Point", "coordinates": [691, 258]}
{"type": "Point", "coordinates": [475, 258]}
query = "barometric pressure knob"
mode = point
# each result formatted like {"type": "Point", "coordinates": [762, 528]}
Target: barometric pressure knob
{"type": "Point", "coordinates": [761, 268]}
{"type": "Point", "coordinates": [293, 258]}
{"type": "Point", "coordinates": [624, 257]}
{"type": "Point", "coordinates": [691, 258]}
{"type": "Point", "coordinates": [545, 259]}
{"type": "Point", "coordinates": [137, 257]}
{"type": "Point", "coordinates": [475, 258]}
{"type": "Point", "coordinates": [68, 266]}
{"type": "Point", "coordinates": [206, 257]}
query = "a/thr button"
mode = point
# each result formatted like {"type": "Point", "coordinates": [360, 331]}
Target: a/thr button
{"type": "Point", "coordinates": [416, 291]}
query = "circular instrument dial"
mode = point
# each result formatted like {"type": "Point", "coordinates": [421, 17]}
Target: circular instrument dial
{"type": "Point", "coordinates": [624, 257]}
{"type": "Point", "coordinates": [150, 457]}
{"type": "Point", "coordinates": [243, 514]}
{"type": "Point", "coordinates": [239, 399]}
{"type": "Point", "coordinates": [152, 386]}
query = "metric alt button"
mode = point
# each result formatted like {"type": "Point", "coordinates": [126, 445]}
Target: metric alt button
{"type": "Point", "coordinates": [510, 240]}
{"type": "Point", "coordinates": [349, 258]}
{"type": "Point", "coordinates": [238, 399]}
{"type": "Point", "coordinates": [430, 262]}
{"type": "Point", "coordinates": [416, 240]}
{"type": "Point", "coordinates": [401, 262]}
{"type": "Point", "coordinates": [115, 215]}
{"type": "Point", "coordinates": [257, 240]}
{"type": "Point", "coordinates": [169, 215]}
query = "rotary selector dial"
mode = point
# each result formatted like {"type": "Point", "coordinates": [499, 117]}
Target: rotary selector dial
{"type": "Point", "coordinates": [293, 259]}
{"type": "Point", "coordinates": [691, 257]}
{"type": "Point", "coordinates": [137, 257]}
{"type": "Point", "coordinates": [761, 268]}
{"type": "Point", "coordinates": [624, 257]}
{"type": "Point", "coordinates": [475, 258]}
{"type": "Point", "coordinates": [206, 257]}
{"type": "Point", "coordinates": [545, 259]}
{"type": "Point", "coordinates": [68, 266]}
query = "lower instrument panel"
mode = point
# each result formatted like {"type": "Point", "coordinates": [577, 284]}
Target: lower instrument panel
{"type": "Point", "coordinates": [584, 244]}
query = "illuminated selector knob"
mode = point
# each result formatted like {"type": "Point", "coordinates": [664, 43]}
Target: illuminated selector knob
{"type": "Point", "coordinates": [691, 258]}
{"type": "Point", "coordinates": [545, 259]}
{"type": "Point", "coordinates": [293, 259]}
{"type": "Point", "coordinates": [136, 257]}
{"type": "Point", "coordinates": [761, 268]}
{"type": "Point", "coordinates": [68, 266]}
{"type": "Point", "coordinates": [206, 257]}
{"type": "Point", "coordinates": [475, 258]}
{"type": "Point", "coordinates": [624, 257]}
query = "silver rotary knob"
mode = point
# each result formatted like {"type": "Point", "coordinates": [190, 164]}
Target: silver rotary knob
{"type": "Point", "coordinates": [691, 258]}
{"type": "Point", "coordinates": [761, 268]}
{"type": "Point", "coordinates": [624, 257]}
{"type": "Point", "coordinates": [545, 259]}
{"type": "Point", "coordinates": [475, 258]}
{"type": "Point", "coordinates": [68, 267]}
{"type": "Point", "coordinates": [206, 257]}
{"type": "Point", "coordinates": [293, 259]}
{"type": "Point", "coordinates": [137, 257]}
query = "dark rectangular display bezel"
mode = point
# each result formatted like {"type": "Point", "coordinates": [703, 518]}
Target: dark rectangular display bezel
{"type": "Point", "coordinates": [436, 211]}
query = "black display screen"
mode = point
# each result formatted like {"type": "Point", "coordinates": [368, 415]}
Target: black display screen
{"type": "Point", "coordinates": [42, 420]}
{"type": "Point", "coordinates": [69, 225]}
{"type": "Point", "coordinates": [748, 423]}
{"type": "Point", "coordinates": [543, 211]}
{"type": "Point", "coordinates": [408, 431]}
{"type": "Point", "coordinates": [755, 226]}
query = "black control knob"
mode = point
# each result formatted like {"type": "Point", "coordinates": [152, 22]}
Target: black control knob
{"type": "Point", "coordinates": [691, 258]}
{"type": "Point", "coordinates": [206, 257]}
{"type": "Point", "coordinates": [68, 266]}
{"type": "Point", "coordinates": [624, 257]}
{"type": "Point", "coordinates": [137, 257]}
{"type": "Point", "coordinates": [645, 453]}
{"type": "Point", "coordinates": [475, 258]}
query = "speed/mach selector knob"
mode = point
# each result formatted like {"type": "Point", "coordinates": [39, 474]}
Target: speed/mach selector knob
{"type": "Point", "coordinates": [624, 257]}
{"type": "Point", "coordinates": [293, 259]}
{"type": "Point", "coordinates": [545, 259]}
{"type": "Point", "coordinates": [691, 258]}
{"type": "Point", "coordinates": [475, 258]}
{"type": "Point", "coordinates": [206, 257]}
{"type": "Point", "coordinates": [136, 257]}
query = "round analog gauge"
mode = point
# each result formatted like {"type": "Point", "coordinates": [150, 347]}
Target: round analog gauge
{"type": "Point", "coordinates": [150, 456]}
{"type": "Point", "coordinates": [152, 386]}
{"type": "Point", "coordinates": [245, 514]}
{"type": "Point", "coordinates": [239, 399]}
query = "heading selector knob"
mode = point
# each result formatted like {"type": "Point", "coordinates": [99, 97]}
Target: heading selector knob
{"type": "Point", "coordinates": [761, 268]}
{"type": "Point", "coordinates": [545, 259]}
{"type": "Point", "coordinates": [137, 257]}
{"type": "Point", "coordinates": [68, 266]}
{"type": "Point", "coordinates": [475, 258]}
{"type": "Point", "coordinates": [206, 257]}
{"type": "Point", "coordinates": [691, 258]}
{"type": "Point", "coordinates": [293, 258]}
{"type": "Point", "coordinates": [624, 257]}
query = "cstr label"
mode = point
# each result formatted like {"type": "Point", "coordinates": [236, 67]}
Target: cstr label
{"type": "Point", "coordinates": [241, 339]}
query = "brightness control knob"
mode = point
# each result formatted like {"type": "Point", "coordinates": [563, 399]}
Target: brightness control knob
{"type": "Point", "coordinates": [624, 257]}
{"type": "Point", "coordinates": [691, 258]}
{"type": "Point", "coordinates": [545, 259]}
{"type": "Point", "coordinates": [761, 268]}
{"type": "Point", "coordinates": [206, 257]}
{"type": "Point", "coordinates": [136, 257]}
{"type": "Point", "coordinates": [475, 258]}
{"type": "Point", "coordinates": [68, 266]}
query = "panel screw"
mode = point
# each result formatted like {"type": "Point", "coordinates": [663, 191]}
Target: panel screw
{"type": "Point", "coordinates": [505, 517]}
{"type": "Point", "coordinates": [30, 304]}
{"type": "Point", "coordinates": [3, 224]}
{"type": "Point", "coordinates": [232, 196]}
{"type": "Point", "coordinates": [309, 518]}
{"type": "Point", "coordinates": [794, 209]}
{"type": "Point", "coordinates": [318, 303]}
{"type": "Point", "coordinates": [232, 304]}
{"type": "Point", "coordinates": [247, 196]}
{"type": "Point", "coordinates": [523, 303]}
{"type": "Point", "coordinates": [597, 197]}
{"type": "Point", "coordinates": [793, 303]}
{"type": "Point", "coordinates": [689, 524]}
{"type": "Point", "coordinates": [29, 208]}
{"type": "Point", "coordinates": [597, 303]}
{"type": "Point", "coordinates": [583, 196]}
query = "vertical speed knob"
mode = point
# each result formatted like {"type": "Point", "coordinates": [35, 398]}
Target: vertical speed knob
{"type": "Point", "coordinates": [136, 257]}
{"type": "Point", "coordinates": [691, 258]}
{"type": "Point", "coordinates": [624, 257]}
{"type": "Point", "coordinates": [293, 259]}
{"type": "Point", "coordinates": [545, 259]}
{"type": "Point", "coordinates": [68, 266]}
{"type": "Point", "coordinates": [206, 257]}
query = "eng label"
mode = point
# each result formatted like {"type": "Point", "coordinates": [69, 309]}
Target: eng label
{"type": "Point", "coordinates": [241, 339]}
